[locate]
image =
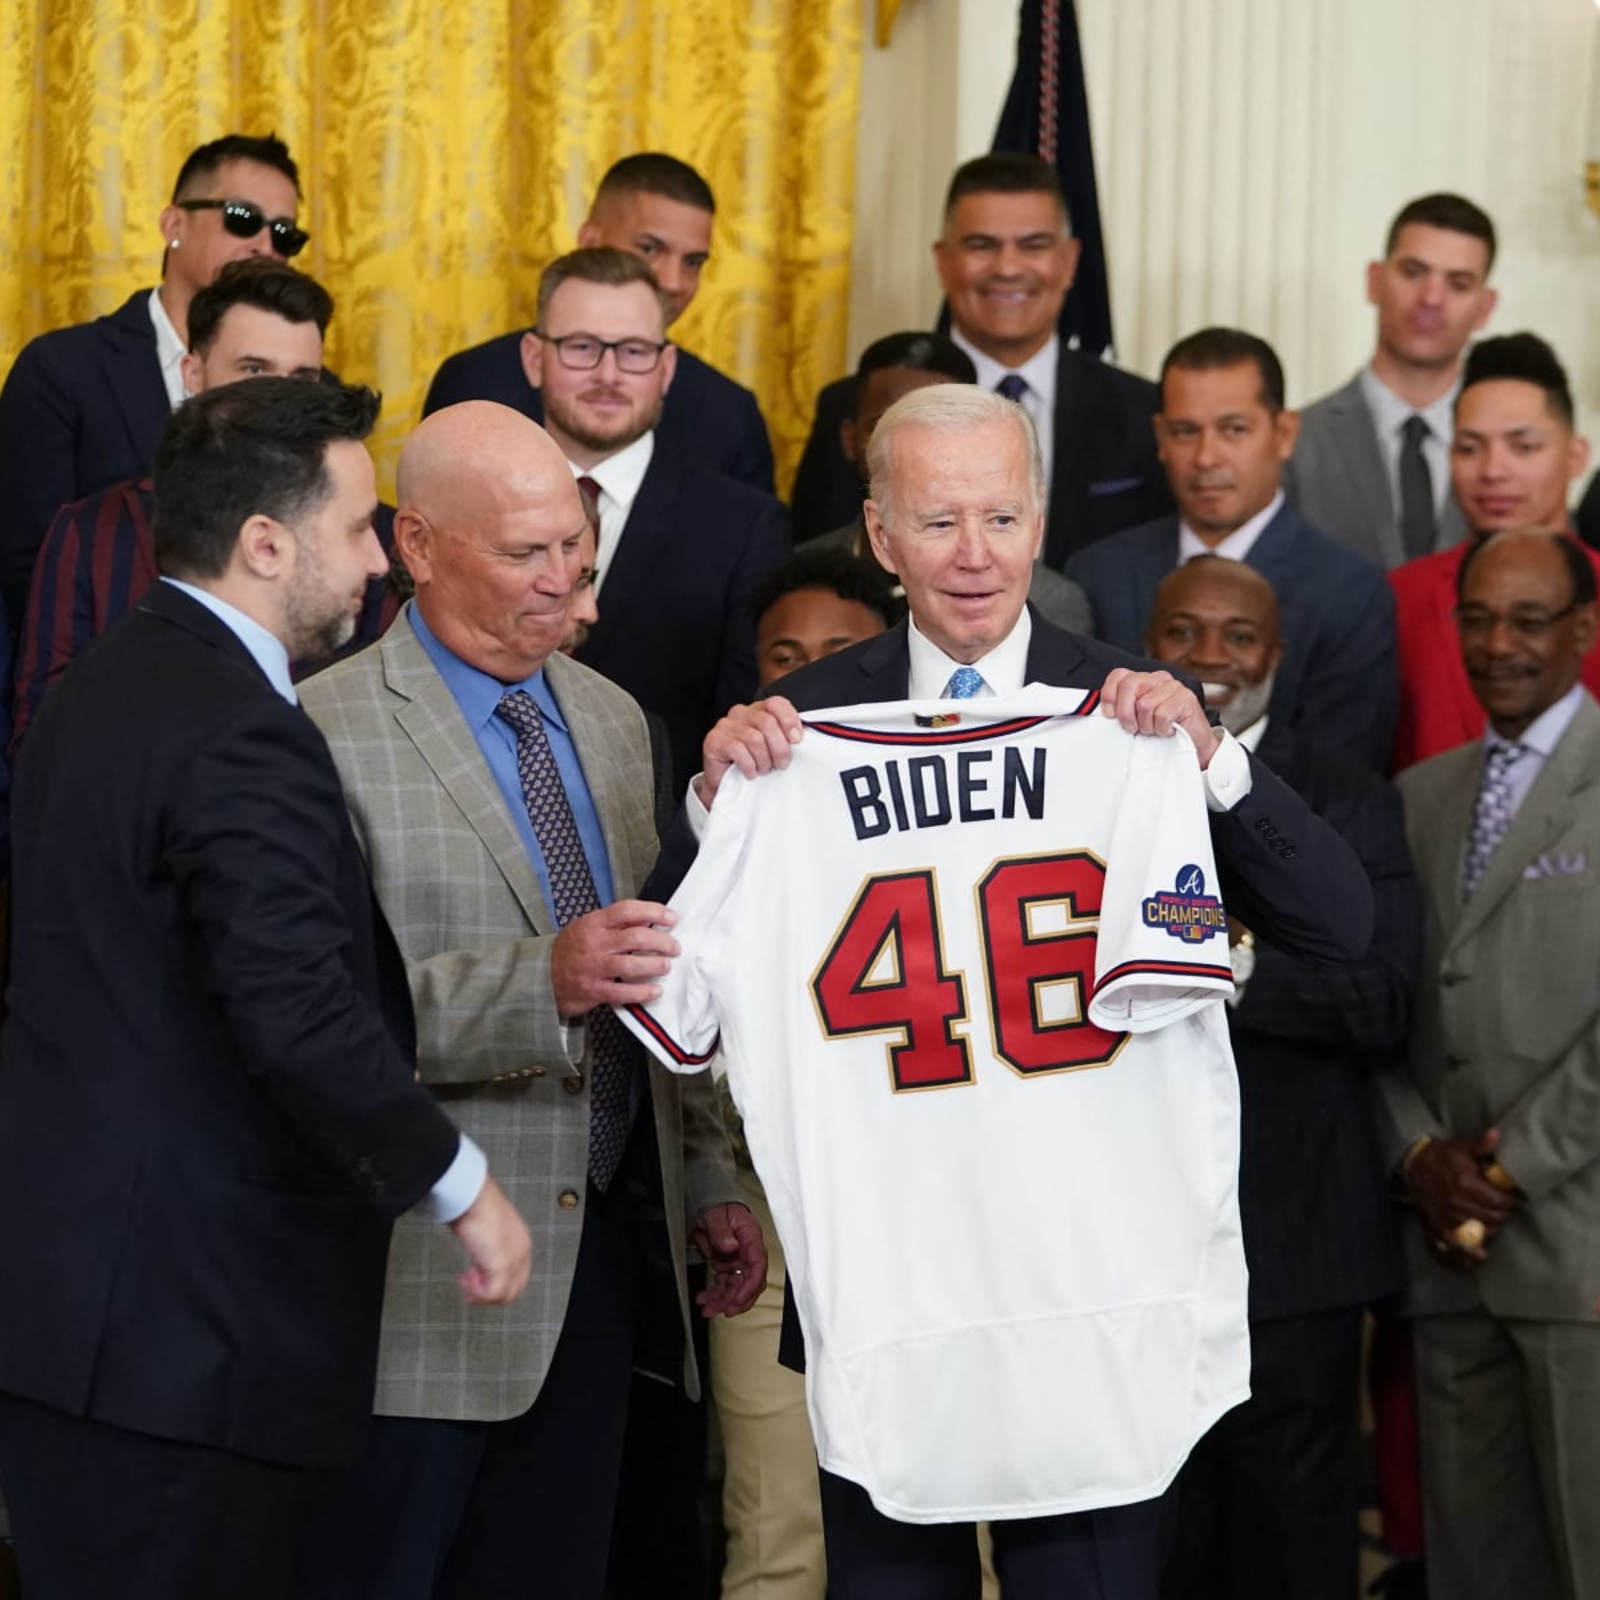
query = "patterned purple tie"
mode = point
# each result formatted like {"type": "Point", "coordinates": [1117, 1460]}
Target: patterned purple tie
{"type": "Point", "coordinates": [1492, 817]}
{"type": "Point", "coordinates": [572, 894]}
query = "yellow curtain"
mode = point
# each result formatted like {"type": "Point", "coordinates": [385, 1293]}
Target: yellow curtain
{"type": "Point", "coordinates": [447, 152]}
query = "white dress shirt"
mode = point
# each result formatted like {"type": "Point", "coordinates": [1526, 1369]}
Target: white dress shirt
{"type": "Point", "coordinates": [1039, 373]}
{"type": "Point", "coordinates": [1236, 545]}
{"type": "Point", "coordinates": [1538, 740]}
{"type": "Point", "coordinates": [619, 477]}
{"type": "Point", "coordinates": [1389, 416]}
{"type": "Point", "coordinates": [170, 352]}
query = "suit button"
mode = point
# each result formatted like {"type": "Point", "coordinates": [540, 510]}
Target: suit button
{"type": "Point", "coordinates": [568, 1199]}
{"type": "Point", "coordinates": [535, 1072]}
{"type": "Point", "coordinates": [573, 1085]}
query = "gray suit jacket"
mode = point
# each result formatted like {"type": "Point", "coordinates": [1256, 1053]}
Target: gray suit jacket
{"type": "Point", "coordinates": [1506, 1027]}
{"type": "Point", "coordinates": [476, 933]}
{"type": "Point", "coordinates": [1338, 482]}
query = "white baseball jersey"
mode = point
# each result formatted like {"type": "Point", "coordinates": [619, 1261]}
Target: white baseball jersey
{"type": "Point", "coordinates": [968, 967]}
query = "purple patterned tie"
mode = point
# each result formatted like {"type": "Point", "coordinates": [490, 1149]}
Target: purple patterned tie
{"type": "Point", "coordinates": [1492, 817]}
{"type": "Point", "coordinates": [572, 895]}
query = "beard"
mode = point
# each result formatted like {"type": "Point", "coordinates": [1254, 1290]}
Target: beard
{"type": "Point", "coordinates": [1248, 705]}
{"type": "Point", "coordinates": [316, 621]}
{"type": "Point", "coordinates": [610, 438]}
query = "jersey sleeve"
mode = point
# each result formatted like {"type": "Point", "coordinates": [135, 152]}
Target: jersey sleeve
{"type": "Point", "coordinates": [1163, 946]}
{"type": "Point", "coordinates": [682, 1028]}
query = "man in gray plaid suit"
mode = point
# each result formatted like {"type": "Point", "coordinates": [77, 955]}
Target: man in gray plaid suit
{"type": "Point", "coordinates": [502, 794]}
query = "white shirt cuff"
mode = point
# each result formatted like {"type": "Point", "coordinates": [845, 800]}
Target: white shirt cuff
{"type": "Point", "coordinates": [461, 1184]}
{"type": "Point", "coordinates": [696, 810]}
{"type": "Point", "coordinates": [1228, 779]}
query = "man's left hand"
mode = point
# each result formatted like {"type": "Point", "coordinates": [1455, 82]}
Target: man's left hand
{"type": "Point", "coordinates": [1155, 702]}
{"type": "Point", "coordinates": [729, 1238]}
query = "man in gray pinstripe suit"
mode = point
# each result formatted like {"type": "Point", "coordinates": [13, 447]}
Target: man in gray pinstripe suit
{"type": "Point", "coordinates": [494, 1458]}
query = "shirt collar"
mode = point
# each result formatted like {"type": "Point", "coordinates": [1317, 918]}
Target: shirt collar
{"type": "Point", "coordinates": [1004, 668]}
{"type": "Point", "coordinates": [476, 692]}
{"type": "Point", "coordinates": [1544, 733]}
{"type": "Point", "coordinates": [1038, 371]}
{"type": "Point", "coordinates": [1253, 735]}
{"type": "Point", "coordinates": [170, 351]}
{"type": "Point", "coordinates": [265, 647]}
{"type": "Point", "coordinates": [1237, 545]}
{"type": "Point", "coordinates": [1390, 413]}
{"type": "Point", "coordinates": [619, 476]}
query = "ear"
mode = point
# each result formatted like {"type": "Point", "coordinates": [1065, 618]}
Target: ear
{"type": "Point", "coordinates": [266, 548]}
{"type": "Point", "coordinates": [1374, 279]}
{"type": "Point", "coordinates": [1491, 298]}
{"type": "Point", "coordinates": [1578, 456]}
{"type": "Point", "coordinates": [1074, 256]}
{"type": "Point", "coordinates": [589, 233]}
{"type": "Point", "coordinates": [1287, 428]}
{"type": "Point", "coordinates": [847, 438]}
{"type": "Point", "coordinates": [877, 536]}
{"type": "Point", "coordinates": [1158, 427]}
{"type": "Point", "coordinates": [532, 352]}
{"type": "Point", "coordinates": [413, 539]}
{"type": "Point", "coordinates": [1277, 657]}
{"type": "Point", "coordinates": [669, 366]}
{"type": "Point", "coordinates": [171, 224]}
{"type": "Point", "coordinates": [193, 372]}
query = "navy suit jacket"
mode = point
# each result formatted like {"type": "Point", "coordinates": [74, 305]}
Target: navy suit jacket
{"type": "Point", "coordinates": [675, 628]}
{"type": "Point", "coordinates": [82, 408]}
{"type": "Point", "coordinates": [208, 1112]}
{"type": "Point", "coordinates": [1339, 678]}
{"type": "Point", "coordinates": [705, 414]}
{"type": "Point", "coordinates": [1105, 474]}
{"type": "Point", "coordinates": [1306, 1039]}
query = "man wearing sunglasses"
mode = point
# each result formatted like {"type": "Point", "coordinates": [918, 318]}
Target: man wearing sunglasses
{"type": "Point", "coordinates": [660, 208]}
{"type": "Point", "coordinates": [681, 546]}
{"type": "Point", "coordinates": [1513, 458]}
{"type": "Point", "coordinates": [83, 407]}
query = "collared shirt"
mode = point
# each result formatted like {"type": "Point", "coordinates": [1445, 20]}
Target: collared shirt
{"type": "Point", "coordinates": [1039, 373]}
{"type": "Point", "coordinates": [170, 352]}
{"type": "Point", "coordinates": [1538, 740]}
{"type": "Point", "coordinates": [1253, 735]}
{"type": "Point", "coordinates": [462, 1182]}
{"type": "Point", "coordinates": [477, 694]}
{"type": "Point", "coordinates": [1237, 545]}
{"type": "Point", "coordinates": [619, 477]}
{"type": "Point", "coordinates": [1389, 416]}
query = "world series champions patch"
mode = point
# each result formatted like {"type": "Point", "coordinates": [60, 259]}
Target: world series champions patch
{"type": "Point", "coordinates": [1185, 910]}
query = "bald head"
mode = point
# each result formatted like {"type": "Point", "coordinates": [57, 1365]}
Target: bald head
{"type": "Point", "coordinates": [1217, 620]}
{"type": "Point", "coordinates": [490, 524]}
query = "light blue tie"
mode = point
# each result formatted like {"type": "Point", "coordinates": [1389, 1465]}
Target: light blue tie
{"type": "Point", "coordinates": [965, 682]}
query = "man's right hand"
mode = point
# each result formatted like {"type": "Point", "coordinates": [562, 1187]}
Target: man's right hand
{"type": "Point", "coordinates": [609, 957]}
{"type": "Point", "coordinates": [1447, 1186]}
{"type": "Point", "coordinates": [753, 738]}
{"type": "Point", "coordinates": [497, 1244]}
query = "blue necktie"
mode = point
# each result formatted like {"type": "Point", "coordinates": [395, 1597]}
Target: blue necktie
{"type": "Point", "coordinates": [572, 895]}
{"type": "Point", "coordinates": [1012, 386]}
{"type": "Point", "coordinates": [965, 682]}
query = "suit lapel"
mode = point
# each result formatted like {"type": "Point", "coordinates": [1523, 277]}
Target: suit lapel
{"type": "Point", "coordinates": [612, 788]}
{"type": "Point", "coordinates": [1356, 440]}
{"type": "Point", "coordinates": [1449, 803]}
{"type": "Point", "coordinates": [1556, 793]}
{"type": "Point", "coordinates": [433, 722]}
{"type": "Point", "coordinates": [132, 374]}
{"type": "Point", "coordinates": [646, 533]}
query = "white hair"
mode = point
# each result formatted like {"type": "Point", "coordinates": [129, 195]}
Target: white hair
{"type": "Point", "coordinates": [947, 408]}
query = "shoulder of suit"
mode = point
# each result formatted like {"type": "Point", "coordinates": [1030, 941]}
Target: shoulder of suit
{"type": "Point", "coordinates": [1442, 773]}
{"type": "Point", "coordinates": [580, 687]}
{"type": "Point", "coordinates": [131, 320]}
{"type": "Point", "coordinates": [706, 382]}
{"type": "Point", "coordinates": [742, 503]}
{"type": "Point", "coordinates": [1332, 405]}
{"type": "Point", "coordinates": [1309, 538]}
{"type": "Point", "coordinates": [1105, 557]}
{"type": "Point", "coordinates": [1079, 368]}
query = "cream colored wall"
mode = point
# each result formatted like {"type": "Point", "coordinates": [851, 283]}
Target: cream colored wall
{"type": "Point", "coordinates": [1250, 154]}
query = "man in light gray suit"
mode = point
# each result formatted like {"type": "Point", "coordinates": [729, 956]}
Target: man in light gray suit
{"type": "Point", "coordinates": [502, 795]}
{"type": "Point", "coordinates": [1494, 1122]}
{"type": "Point", "coordinates": [1372, 464]}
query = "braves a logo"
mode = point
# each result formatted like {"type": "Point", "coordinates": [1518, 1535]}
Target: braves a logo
{"type": "Point", "coordinates": [1185, 910]}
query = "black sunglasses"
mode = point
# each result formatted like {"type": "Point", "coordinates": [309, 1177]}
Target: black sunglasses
{"type": "Point", "coordinates": [244, 221]}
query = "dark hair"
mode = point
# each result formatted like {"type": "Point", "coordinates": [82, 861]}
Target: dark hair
{"type": "Point", "coordinates": [651, 172]}
{"type": "Point", "coordinates": [600, 263]}
{"type": "Point", "coordinates": [257, 447]}
{"type": "Point", "coordinates": [265, 283]}
{"type": "Point", "coordinates": [1580, 569]}
{"type": "Point", "coordinates": [918, 352]}
{"type": "Point", "coordinates": [1211, 348]}
{"type": "Point", "coordinates": [1006, 172]}
{"type": "Point", "coordinates": [1524, 358]}
{"type": "Point", "coordinates": [1448, 211]}
{"type": "Point", "coordinates": [830, 567]}
{"type": "Point", "coordinates": [268, 152]}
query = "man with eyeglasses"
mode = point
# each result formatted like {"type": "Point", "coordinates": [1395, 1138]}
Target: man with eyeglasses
{"type": "Point", "coordinates": [1490, 1123]}
{"type": "Point", "coordinates": [681, 546]}
{"type": "Point", "coordinates": [660, 209]}
{"type": "Point", "coordinates": [1513, 458]}
{"type": "Point", "coordinates": [84, 406]}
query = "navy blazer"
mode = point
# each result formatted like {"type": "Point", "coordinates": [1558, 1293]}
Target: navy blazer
{"type": "Point", "coordinates": [1314, 1200]}
{"type": "Point", "coordinates": [1104, 476]}
{"type": "Point", "coordinates": [705, 414]}
{"type": "Point", "coordinates": [675, 628]}
{"type": "Point", "coordinates": [208, 1059]}
{"type": "Point", "coordinates": [82, 408]}
{"type": "Point", "coordinates": [1339, 678]}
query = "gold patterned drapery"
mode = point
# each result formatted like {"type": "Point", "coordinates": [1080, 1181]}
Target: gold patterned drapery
{"type": "Point", "coordinates": [447, 151]}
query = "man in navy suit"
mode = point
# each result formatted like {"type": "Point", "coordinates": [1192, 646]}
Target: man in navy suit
{"type": "Point", "coordinates": [1006, 261]}
{"type": "Point", "coordinates": [1267, 1502]}
{"type": "Point", "coordinates": [956, 512]}
{"type": "Point", "coordinates": [661, 209]}
{"type": "Point", "coordinates": [681, 546]}
{"type": "Point", "coordinates": [1224, 436]}
{"type": "Point", "coordinates": [83, 407]}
